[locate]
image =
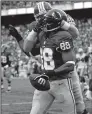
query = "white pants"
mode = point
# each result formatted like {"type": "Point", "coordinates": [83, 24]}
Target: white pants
{"type": "Point", "coordinates": [61, 90]}
{"type": "Point", "coordinates": [80, 106]}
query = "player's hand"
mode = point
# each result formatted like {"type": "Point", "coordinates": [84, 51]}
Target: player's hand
{"type": "Point", "coordinates": [13, 31]}
{"type": "Point", "coordinates": [70, 20]}
{"type": "Point", "coordinates": [40, 82]}
{"type": "Point", "coordinates": [50, 73]}
{"type": "Point", "coordinates": [39, 25]}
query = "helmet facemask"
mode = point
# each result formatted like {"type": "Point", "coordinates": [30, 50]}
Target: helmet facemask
{"type": "Point", "coordinates": [51, 23]}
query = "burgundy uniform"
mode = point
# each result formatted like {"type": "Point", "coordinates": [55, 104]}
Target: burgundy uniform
{"type": "Point", "coordinates": [54, 48]}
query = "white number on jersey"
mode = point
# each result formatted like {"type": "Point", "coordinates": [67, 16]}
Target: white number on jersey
{"type": "Point", "coordinates": [47, 59]}
{"type": "Point", "coordinates": [65, 46]}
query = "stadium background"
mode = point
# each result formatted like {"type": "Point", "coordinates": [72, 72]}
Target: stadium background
{"type": "Point", "coordinates": [20, 14]}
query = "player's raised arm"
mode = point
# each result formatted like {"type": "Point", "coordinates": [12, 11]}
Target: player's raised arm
{"type": "Point", "coordinates": [13, 31]}
{"type": "Point", "coordinates": [70, 28]}
{"type": "Point", "coordinates": [30, 41]}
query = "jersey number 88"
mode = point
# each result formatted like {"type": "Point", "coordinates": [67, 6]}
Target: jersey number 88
{"type": "Point", "coordinates": [65, 46]}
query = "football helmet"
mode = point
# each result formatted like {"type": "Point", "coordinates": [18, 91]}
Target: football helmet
{"type": "Point", "coordinates": [40, 9]}
{"type": "Point", "coordinates": [53, 19]}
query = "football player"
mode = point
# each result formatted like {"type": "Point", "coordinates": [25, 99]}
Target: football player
{"type": "Point", "coordinates": [48, 57]}
{"type": "Point", "coordinates": [54, 48]}
{"type": "Point", "coordinates": [6, 67]}
{"type": "Point", "coordinates": [67, 27]}
{"type": "Point", "coordinates": [39, 11]}
{"type": "Point", "coordinates": [77, 91]}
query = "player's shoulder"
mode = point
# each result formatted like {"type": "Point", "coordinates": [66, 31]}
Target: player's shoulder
{"type": "Point", "coordinates": [62, 35]}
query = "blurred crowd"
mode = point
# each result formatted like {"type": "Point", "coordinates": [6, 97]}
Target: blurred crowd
{"type": "Point", "coordinates": [85, 38]}
{"type": "Point", "coordinates": [84, 26]}
{"type": "Point", "coordinates": [22, 4]}
{"type": "Point", "coordinates": [18, 57]}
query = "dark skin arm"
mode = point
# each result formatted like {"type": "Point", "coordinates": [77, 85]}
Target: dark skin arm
{"type": "Point", "coordinates": [67, 67]}
{"type": "Point", "coordinates": [63, 69]}
{"type": "Point", "coordinates": [69, 62]}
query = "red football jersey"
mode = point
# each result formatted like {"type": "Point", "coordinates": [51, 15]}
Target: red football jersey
{"type": "Point", "coordinates": [56, 49]}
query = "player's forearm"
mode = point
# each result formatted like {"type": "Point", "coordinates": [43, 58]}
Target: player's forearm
{"type": "Point", "coordinates": [18, 37]}
{"type": "Point", "coordinates": [73, 31]}
{"type": "Point", "coordinates": [70, 28]}
{"type": "Point", "coordinates": [30, 41]}
{"type": "Point", "coordinates": [21, 43]}
{"type": "Point", "coordinates": [13, 31]}
{"type": "Point", "coordinates": [66, 68]}
{"type": "Point", "coordinates": [28, 45]}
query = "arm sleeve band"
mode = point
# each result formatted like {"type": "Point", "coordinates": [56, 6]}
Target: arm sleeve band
{"type": "Point", "coordinates": [66, 26]}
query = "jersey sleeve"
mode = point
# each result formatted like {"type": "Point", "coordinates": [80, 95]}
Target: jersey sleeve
{"type": "Point", "coordinates": [66, 46]}
{"type": "Point", "coordinates": [64, 41]}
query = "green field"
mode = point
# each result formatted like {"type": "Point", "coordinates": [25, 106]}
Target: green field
{"type": "Point", "coordinates": [19, 100]}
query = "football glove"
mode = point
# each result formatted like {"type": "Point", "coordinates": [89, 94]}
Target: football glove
{"type": "Point", "coordinates": [40, 82]}
{"type": "Point", "coordinates": [13, 31]}
{"type": "Point", "coordinates": [39, 25]}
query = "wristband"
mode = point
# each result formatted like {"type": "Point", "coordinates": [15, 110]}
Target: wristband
{"type": "Point", "coordinates": [50, 73]}
{"type": "Point", "coordinates": [65, 26]}
{"type": "Point", "coordinates": [18, 37]}
{"type": "Point", "coordinates": [71, 62]}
